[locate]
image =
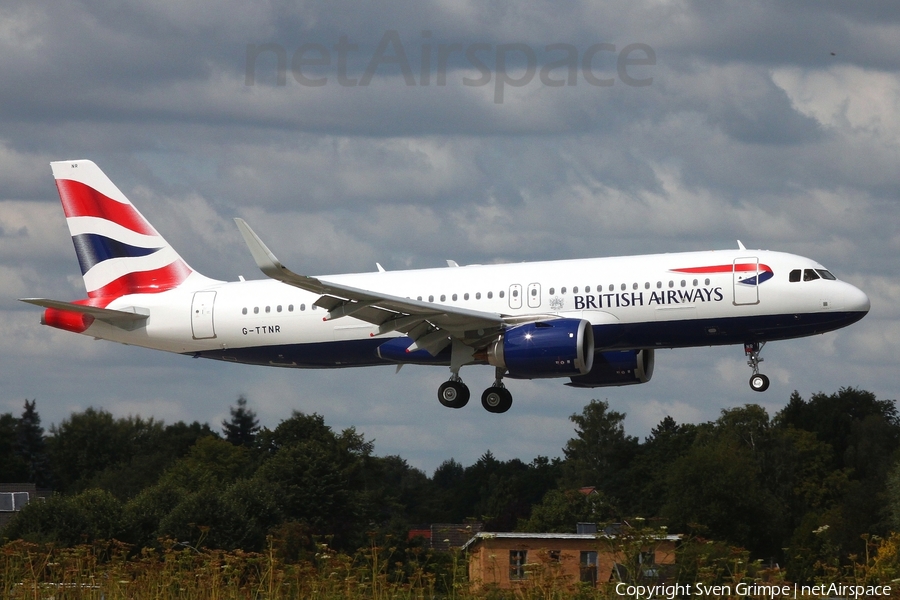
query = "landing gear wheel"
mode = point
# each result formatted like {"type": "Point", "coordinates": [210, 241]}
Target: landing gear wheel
{"type": "Point", "coordinates": [496, 399]}
{"type": "Point", "coordinates": [453, 394]}
{"type": "Point", "coordinates": [759, 383]}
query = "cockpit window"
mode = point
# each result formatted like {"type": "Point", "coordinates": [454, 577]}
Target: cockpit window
{"type": "Point", "coordinates": [794, 277]}
{"type": "Point", "coordinates": [810, 274]}
{"type": "Point", "coordinates": [826, 274]}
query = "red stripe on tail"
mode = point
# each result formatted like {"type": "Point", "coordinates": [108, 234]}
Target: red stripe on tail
{"type": "Point", "coordinates": [145, 282]}
{"type": "Point", "coordinates": [80, 200]}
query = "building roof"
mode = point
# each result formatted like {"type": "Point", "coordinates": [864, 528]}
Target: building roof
{"type": "Point", "coordinates": [545, 536]}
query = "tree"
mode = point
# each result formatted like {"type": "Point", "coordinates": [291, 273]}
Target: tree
{"type": "Point", "coordinates": [30, 446]}
{"type": "Point", "coordinates": [243, 426]}
{"type": "Point", "coordinates": [561, 510]}
{"type": "Point", "coordinates": [601, 453]}
{"type": "Point", "coordinates": [666, 443]}
{"type": "Point", "coordinates": [69, 520]}
{"type": "Point", "coordinates": [12, 468]}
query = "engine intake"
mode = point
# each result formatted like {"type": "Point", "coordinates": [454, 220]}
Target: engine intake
{"type": "Point", "coordinates": [626, 367]}
{"type": "Point", "coordinates": [556, 348]}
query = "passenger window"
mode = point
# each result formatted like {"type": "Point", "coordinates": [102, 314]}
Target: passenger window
{"type": "Point", "coordinates": [302, 307]}
{"type": "Point", "coordinates": [658, 284]}
{"type": "Point", "coordinates": [268, 309]}
{"type": "Point", "coordinates": [826, 274]}
{"type": "Point", "coordinates": [635, 286]}
{"type": "Point", "coordinates": [502, 293]}
{"type": "Point", "coordinates": [278, 308]}
{"type": "Point", "coordinates": [478, 295]}
{"type": "Point", "coordinates": [810, 274]}
{"type": "Point", "coordinates": [706, 282]}
{"type": "Point", "coordinates": [695, 283]}
{"type": "Point", "coordinates": [552, 291]}
{"type": "Point", "coordinates": [533, 292]}
{"type": "Point", "coordinates": [683, 283]}
{"type": "Point", "coordinates": [612, 287]}
{"type": "Point", "coordinates": [646, 285]}
{"type": "Point", "coordinates": [431, 298]}
{"type": "Point", "coordinates": [575, 290]}
{"type": "Point", "coordinates": [244, 311]}
{"type": "Point", "coordinates": [671, 283]}
{"type": "Point", "coordinates": [255, 310]}
{"type": "Point", "coordinates": [290, 308]}
{"type": "Point", "coordinates": [490, 295]}
{"type": "Point", "coordinates": [466, 296]}
{"type": "Point", "coordinates": [562, 290]}
{"type": "Point", "coordinates": [443, 297]}
{"type": "Point", "coordinates": [419, 298]}
{"type": "Point", "coordinates": [515, 294]}
{"type": "Point", "coordinates": [794, 276]}
{"type": "Point", "coordinates": [587, 289]}
{"type": "Point", "coordinates": [454, 297]}
{"type": "Point", "coordinates": [623, 287]}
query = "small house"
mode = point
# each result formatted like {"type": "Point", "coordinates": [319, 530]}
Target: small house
{"type": "Point", "coordinates": [507, 560]}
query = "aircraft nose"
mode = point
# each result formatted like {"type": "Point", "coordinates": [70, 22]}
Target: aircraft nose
{"type": "Point", "coordinates": [856, 300]}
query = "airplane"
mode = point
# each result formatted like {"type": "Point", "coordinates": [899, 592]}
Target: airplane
{"type": "Point", "coordinates": [596, 321]}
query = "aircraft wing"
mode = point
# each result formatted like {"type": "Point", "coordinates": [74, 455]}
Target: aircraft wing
{"type": "Point", "coordinates": [430, 325]}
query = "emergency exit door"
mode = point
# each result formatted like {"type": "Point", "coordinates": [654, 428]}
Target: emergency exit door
{"type": "Point", "coordinates": [202, 315]}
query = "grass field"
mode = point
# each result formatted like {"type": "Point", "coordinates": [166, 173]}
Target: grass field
{"type": "Point", "coordinates": [113, 571]}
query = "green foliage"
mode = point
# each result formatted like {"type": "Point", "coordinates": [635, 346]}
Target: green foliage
{"type": "Point", "coordinates": [601, 452]}
{"type": "Point", "coordinates": [560, 510]}
{"type": "Point", "coordinates": [243, 426]}
{"type": "Point", "coordinates": [69, 520]}
{"type": "Point", "coordinates": [800, 488]}
{"type": "Point", "coordinates": [23, 453]}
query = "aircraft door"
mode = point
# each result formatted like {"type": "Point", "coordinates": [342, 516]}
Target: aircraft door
{"type": "Point", "coordinates": [746, 281]}
{"type": "Point", "coordinates": [534, 295]}
{"type": "Point", "coordinates": [202, 315]}
{"type": "Point", "coordinates": [515, 296]}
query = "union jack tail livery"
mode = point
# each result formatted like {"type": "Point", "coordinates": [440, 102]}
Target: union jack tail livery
{"type": "Point", "coordinates": [119, 251]}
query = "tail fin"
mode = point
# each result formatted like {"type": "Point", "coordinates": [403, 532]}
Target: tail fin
{"type": "Point", "coordinates": [119, 251]}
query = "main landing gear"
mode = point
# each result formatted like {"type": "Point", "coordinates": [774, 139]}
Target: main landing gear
{"type": "Point", "coordinates": [455, 394]}
{"type": "Point", "coordinates": [758, 381]}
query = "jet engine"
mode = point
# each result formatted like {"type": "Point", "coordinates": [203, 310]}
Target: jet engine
{"type": "Point", "coordinates": [625, 367]}
{"type": "Point", "coordinates": [555, 348]}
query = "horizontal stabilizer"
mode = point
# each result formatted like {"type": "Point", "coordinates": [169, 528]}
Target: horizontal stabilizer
{"type": "Point", "coordinates": [128, 318]}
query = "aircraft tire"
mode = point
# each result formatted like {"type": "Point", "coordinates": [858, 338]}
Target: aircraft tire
{"type": "Point", "coordinates": [496, 400]}
{"type": "Point", "coordinates": [759, 383]}
{"type": "Point", "coordinates": [453, 394]}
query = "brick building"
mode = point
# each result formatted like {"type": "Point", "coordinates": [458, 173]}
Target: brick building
{"type": "Point", "coordinates": [505, 560]}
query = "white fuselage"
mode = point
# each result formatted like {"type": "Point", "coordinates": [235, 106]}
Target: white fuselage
{"type": "Point", "coordinates": [631, 302]}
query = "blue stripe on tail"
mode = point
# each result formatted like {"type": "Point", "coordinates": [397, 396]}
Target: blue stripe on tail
{"type": "Point", "coordinates": [92, 249]}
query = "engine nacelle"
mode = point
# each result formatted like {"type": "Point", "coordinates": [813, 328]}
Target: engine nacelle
{"type": "Point", "coordinates": [555, 348]}
{"type": "Point", "coordinates": [626, 367]}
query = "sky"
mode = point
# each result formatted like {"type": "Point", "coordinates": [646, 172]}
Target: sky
{"type": "Point", "coordinates": [409, 133]}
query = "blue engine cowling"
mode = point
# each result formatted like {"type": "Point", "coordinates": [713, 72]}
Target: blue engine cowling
{"type": "Point", "coordinates": [626, 367]}
{"type": "Point", "coordinates": [555, 348]}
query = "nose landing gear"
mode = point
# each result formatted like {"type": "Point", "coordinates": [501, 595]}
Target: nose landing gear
{"type": "Point", "coordinates": [758, 381]}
